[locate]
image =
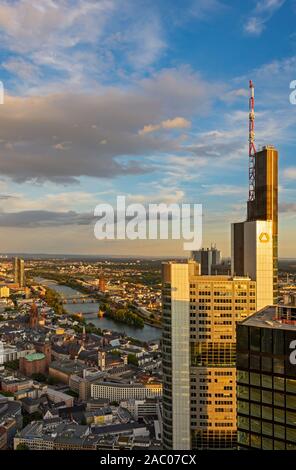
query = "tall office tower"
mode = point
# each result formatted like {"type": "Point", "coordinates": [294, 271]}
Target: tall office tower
{"type": "Point", "coordinates": [255, 242]}
{"type": "Point", "coordinates": [19, 272]}
{"type": "Point", "coordinates": [199, 353]}
{"type": "Point", "coordinates": [207, 258]}
{"type": "Point", "coordinates": [266, 379]}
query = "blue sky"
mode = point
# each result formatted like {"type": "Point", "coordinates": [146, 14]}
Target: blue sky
{"type": "Point", "coordinates": [147, 99]}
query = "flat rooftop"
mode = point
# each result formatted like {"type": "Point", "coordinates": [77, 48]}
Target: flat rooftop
{"type": "Point", "coordinates": [274, 316]}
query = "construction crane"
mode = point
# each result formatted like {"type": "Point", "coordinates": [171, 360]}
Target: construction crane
{"type": "Point", "coordinates": [252, 149]}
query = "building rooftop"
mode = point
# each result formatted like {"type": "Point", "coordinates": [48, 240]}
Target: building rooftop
{"type": "Point", "coordinates": [274, 316]}
{"type": "Point", "coordinates": [35, 357]}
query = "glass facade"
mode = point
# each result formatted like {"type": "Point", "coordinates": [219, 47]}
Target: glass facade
{"type": "Point", "coordinates": [266, 388]}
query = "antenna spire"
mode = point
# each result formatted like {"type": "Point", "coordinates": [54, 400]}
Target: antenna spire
{"type": "Point", "coordinates": [252, 149]}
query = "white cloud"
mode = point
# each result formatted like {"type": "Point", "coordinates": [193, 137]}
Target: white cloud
{"type": "Point", "coordinates": [176, 123]}
{"type": "Point", "coordinates": [290, 173]}
{"type": "Point", "coordinates": [263, 12]}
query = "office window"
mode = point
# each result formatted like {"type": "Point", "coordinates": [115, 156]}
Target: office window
{"type": "Point", "coordinates": [279, 383]}
{"type": "Point", "coordinates": [267, 444]}
{"type": "Point", "coordinates": [291, 417]}
{"type": "Point", "coordinates": [243, 438]}
{"type": "Point", "coordinates": [267, 413]}
{"type": "Point", "coordinates": [255, 425]}
{"type": "Point", "coordinates": [255, 379]}
{"type": "Point", "coordinates": [291, 401]}
{"type": "Point", "coordinates": [255, 410]}
{"type": "Point", "coordinates": [266, 381]}
{"type": "Point", "coordinates": [255, 441]}
{"type": "Point", "coordinates": [254, 362]}
{"type": "Point", "coordinates": [291, 385]}
{"type": "Point", "coordinates": [278, 366]}
{"type": "Point", "coordinates": [279, 431]}
{"type": "Point", "coordinates": [243, 422]}
{"type": "Point", "coordinates": [291, 434]}
{"type": "Point", "coordinates": [279, 445]}
{"type": "Point", "coordinates": [255, 339]}
{"type": "Point", "coordinates": [266, 340]}
{"type": "Point", "coordinates": [243, 377]}
{"type": "Point", "coordinates": [255, 394]}
{"type": "Point", "coordinates": [266, 364]}
{"type": "Point", "coordinates": [279, 399]}
{"type": "Point", "coordinates": [279, 415]}
{"type": "Point", "coordinates": [243, 343]}
{"type": "Point", "coordinates": [266, 397]}
{"type": "Point", "coordinates": [242, 361]}
{"type": "Point", "coordinates": [243, 407]}
{"type": "Point", "coordinates": [267, 428]}
{"type": "Point", "coordinates": [278, 342]}
{"type": "Point", "coordinates": [243, 392]}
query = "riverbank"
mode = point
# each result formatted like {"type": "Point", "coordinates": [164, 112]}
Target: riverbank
{"type": "Point", "coordinates": [90, 314]}
{"type": "Point", "coordinates": [132, 316]}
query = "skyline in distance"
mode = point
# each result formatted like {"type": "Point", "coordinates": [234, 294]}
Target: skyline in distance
{"type": "Point", "coordinates": [159, 114]}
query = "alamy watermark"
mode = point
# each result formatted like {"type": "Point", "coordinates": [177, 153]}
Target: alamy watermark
{"type": "Point", "coordinates": [153, 222]}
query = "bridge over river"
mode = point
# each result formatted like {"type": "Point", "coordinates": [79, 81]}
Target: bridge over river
{"type": "Point", "coordinates": [79, 300]}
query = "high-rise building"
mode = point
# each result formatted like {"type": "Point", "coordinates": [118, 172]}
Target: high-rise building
{"type": "Point", "coordinates": [19, 272]}
{"type": "Point", "coordinates": [207, 258]}
{"type": "Point", "coordinates": [266, 379]}
{"type": "Point", "coordinates": [199, 353]}
{"type": "Point", "coordinates": [255, 241]}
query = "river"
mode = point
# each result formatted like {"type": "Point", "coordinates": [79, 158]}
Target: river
{"type": "Point", "coordinates": [90, 311]}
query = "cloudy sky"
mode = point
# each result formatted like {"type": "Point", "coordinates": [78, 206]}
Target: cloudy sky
{"type": "Point", "coordinates": [142, 98]}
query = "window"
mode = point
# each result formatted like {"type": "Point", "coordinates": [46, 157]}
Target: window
{"type": "Point", "coordinates": [255, 339]}
{"type": "Point", "coordinates": [255, 379]}
{"type": "Point", "coordinates": [279, 431]}
{"type": "Point", "coordinates": [243, 343]}
{"type": "Point", "coordinates": [243, 392]}
{"type": "Point", "coordinates": [291, 434]}
{"type": "Point", "coordinates": [266, 381]}
{"type": "Point", "coordinates": [266, 397]}
{"type": "Point", "coordinates": [255, 394]}
{"type": "Point", "coordinates": [243, 407]}
{"type": "Point", "coordinates": [279, 415]}
{"type": "Point", "coordinates": [279, 399]}
{"type": "Point", "coordinates": [278, 445]}
{"type": "Point", "coordinates": [291, 401]}
{"type": "Point", "coordinates": [243, 377]}
{"type": "Point", "coordinates": [266, 364]}
{"type": "Point", "coordinates": [267, 413]}
{"type": "Point", "coordinates": [278, 342]}
{"type": "Point", "coordinates": [279, 383]}
{"type": "Point", "coordinates": [266, 340]}
{"type": "Point", "coordinates": [243, 423]}
{"type": "Point", "coordinates": [291, 385]}
{"type": "Point", "coordinates": [255, 425]}
{"type": "Point", "coordinates": [291, 418]}
{"type": "Point", "coordinates": [255, 441]}
{"type": "Point", "coordinates": [266, 428]}
{"type": "Point", "coordinates": [267, 444]}
{"type": "Point", "coordinates": [278, 366]}
{"type": "Point", "coordinates": [255, 410]}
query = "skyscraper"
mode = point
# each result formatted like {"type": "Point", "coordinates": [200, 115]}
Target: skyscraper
{"type": "Point", "coordinates": [207, 258]}
{"type": "Point", "coordinates": [255, 241]}
{"type": "Point", "coordinates": [19, 272]}
{"type": "Point", "coordinates": [199, 353]}
{"type": "Point", "coordinates": [266, 379]}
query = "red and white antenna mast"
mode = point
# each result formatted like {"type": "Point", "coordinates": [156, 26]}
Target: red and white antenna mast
{"type": "Point", "coordinates": [252, 149]}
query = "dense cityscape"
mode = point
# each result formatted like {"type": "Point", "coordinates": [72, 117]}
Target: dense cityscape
{"type": "Point", "coordinates": [147, 223]}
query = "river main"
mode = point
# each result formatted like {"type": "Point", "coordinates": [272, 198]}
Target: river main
{"type": "Point", "coordinates": [90, 311]}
